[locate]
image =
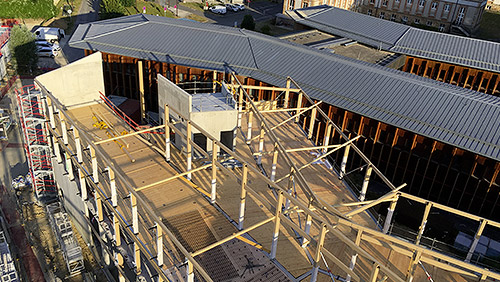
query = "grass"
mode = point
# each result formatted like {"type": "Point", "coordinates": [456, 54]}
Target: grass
{"type": "Point", "coordinates": [21, 9]}
{"type": "Point", "coordinates": [151, 9]}
{"type": "Point", "coordinates": [489, 28]}
{"type": "Point", "coordinates": [194, 6]}
{"type": "Point", "coordinates": [197, 18]}
{"type": "Point", "coordinates": [63, 20]}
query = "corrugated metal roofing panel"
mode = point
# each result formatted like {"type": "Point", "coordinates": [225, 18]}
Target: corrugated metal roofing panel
{"type": "Point", "coordinates": [427, 107]}
{"type": "Point", "coordinates": [401, 38]}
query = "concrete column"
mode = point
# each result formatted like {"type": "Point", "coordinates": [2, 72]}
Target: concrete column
{"type": "Point", "coordinates": [390, 212]}
{"type": "Point", "coordinates": [243, 194]}
{"type": "Point", "coordinates": [276, 232]}
{"type": "Point", "coordinates": [189, 149]}
{"type": "Point", "coordinates": [116, 228]}
{"type": "Point", "coordinates": [189, 271]}
{"type": "Point", "coordinates": [249, 132]}
{"type": "Point", "coordinates": [83, 185]}
{"type": "Point", "coordinates": [287, 93]}
{"type": "Point", "coordinates": [69, 167]}
{"type": "Point", "coordinates": [95, 172]}
{"type": "Point", "coordinates": [326, 141]}
{"type": "Point", "coordinates": [261, 143]}
{"type": "Point", "coordinates": [344, 161]}
{"type": "Point", "coordinates": [78, 145]}
{"type": "Point", "coordinates": [366, 181]}
{"type": "Point", "coordinates": [57, 150]}
{"type": "Point", "coordinates": [167, 133]}
{"type": "Point", "coordinates": [311, 123]}
{"type": "Point", "coordinates": [50, 107]}
{"type": "Point", "coordinates": [135, 229]}
{"type": "Point", "coordinates": [142, 102]}
{"type": "Point", "coordinates": [275, 162]}
{"type": "Point", "coordinates": [159, 245]}
{"type": "Point", "coordinates": [317, 254]}
{"type": "Point", "coordinates": [479, 231]}
{"type": "Point", "coordinates": [213, 193]}
{"type": "Point", "coordinates": [299, 105]}
{"type": "Point", "coordinates": [112, 184]}
{"type": "Point", "coordinates": [64, 129]}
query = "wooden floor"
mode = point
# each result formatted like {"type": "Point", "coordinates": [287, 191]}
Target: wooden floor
{"type": "Point", "coordinates": [179, 200]}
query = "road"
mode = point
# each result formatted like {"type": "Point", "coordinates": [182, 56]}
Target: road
{"type": "Point", "coordinates": [88, 13]}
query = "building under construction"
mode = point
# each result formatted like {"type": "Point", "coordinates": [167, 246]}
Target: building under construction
{"type": "Point", "coordinates": [246, 176]}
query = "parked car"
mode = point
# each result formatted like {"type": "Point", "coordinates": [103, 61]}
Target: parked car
{"type": "Point", "coordinates": [232, 7]}
{"type": "Point", "coordinates": [48, 45]}
{"type": "Point", "coordinates": [50, 34]}
{"type": "Point", "coordinates": [46, 52]}
{"type": "Point", "coordinates": [240, 7]}
{"type": "Point", "coordinates": [218, 9]}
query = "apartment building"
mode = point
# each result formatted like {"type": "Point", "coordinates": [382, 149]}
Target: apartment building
{"type": "Point", "coordinates": [463, 16]}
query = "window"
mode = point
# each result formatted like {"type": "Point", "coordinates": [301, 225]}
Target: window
{"type": "Point", "coordinates": [384, 3]}
{"type": "Point", "coordinates": [446, 8]}
{"type": "Point", "coordinates": [404, 19]}
{"type": "Point", "coordinates": [369, 13]}
{"type": "Point", "coordinates": [372, 1]}
{"type": "Point", "coordinates": [429, 23]}
{"type": "Point", "coordinates": [393, 17]}
{"type": "Point", "coordinates": [292, 4]}
{"type": "Point", "coordinates": [408, 2]}
{"type": "Point", "coordinates": [421, 3]}
{"type": "Point", "coordinates": [382, 15]}
{"type": "Point", "coordinates": [397, 1]}
{"type": "Point", "coordinates": [441, 27]}
{"type": "Point", "coordinates": [461, 14]}
{"type": "Point", "coordinates": [434, 5]}
{"type": "Point", "coordinates": [305, 5]}
{"type": "Point", "coordinates": [417, 21]}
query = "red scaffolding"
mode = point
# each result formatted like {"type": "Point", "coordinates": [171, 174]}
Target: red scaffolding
{"type": "Point", "coordinates": [36, 143]}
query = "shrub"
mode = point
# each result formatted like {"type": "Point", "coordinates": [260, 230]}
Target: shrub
{"type": "Point", "coordinates": [23, 48]}
{"type": "Point", "coordinates": [266, 29]}
{"type": "Point", "coordinates": [27, 9]}
{"type": "Point", "coordinates": [248, 22]}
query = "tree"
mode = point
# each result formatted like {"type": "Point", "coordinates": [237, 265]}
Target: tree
{"type": "Point", "coordinates": [112, 9]}
{"type": "Point", "coordinates": [23, 48]}
{"type": "Point", "coordinates": [248, 22]}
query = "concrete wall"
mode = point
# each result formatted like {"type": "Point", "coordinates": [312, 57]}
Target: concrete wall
{"type": "Point", "coordinates": [76, 84]}
{"type": "Point", "coordinates": [174, 96]}
{"type": "Point", "coordinates": [71, 199]}
{"type": "Point", "coordinates": [215, 122]}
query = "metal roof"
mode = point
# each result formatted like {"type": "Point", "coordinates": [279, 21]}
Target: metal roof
{"type": "Point", "coordinates": [400, 38]}
{"type": "Point", "coordinates": [457, 116]}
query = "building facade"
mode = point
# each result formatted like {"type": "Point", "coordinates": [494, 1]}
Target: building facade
{"type": "Point", "coordinates": [439, 15]}
{"type": "Point", "coordinates": [343, 4]}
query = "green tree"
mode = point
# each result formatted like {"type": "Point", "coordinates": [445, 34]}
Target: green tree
{"type": "Point", "coordinates": [112, 9]}
{"type": "Point", "coordinates": [248, 22]}
{"type": "Point", "coordinates": [266, 29]}
{"type": "Point", "coordinates": [23, 48]}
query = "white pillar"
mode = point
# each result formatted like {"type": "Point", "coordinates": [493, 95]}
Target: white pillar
{"type": "Point", "coordinates": [276, 232]}
{"type": "Point", "coordinates": [213, 193]}
{"type": "Point", "coordinates": [159, 244]}
{"type": "Point", "coordinates": [249, 132]}
{"type": "Point", "coordinates": [95, 172]}
{"type": "Point", "coordinates": [243, 194]}
{"type": "Point", "coordinates": [479, 231]}
{"type": "Point", "coordinates": [189, 149]}
{"type": "Point", "coordinates": [167, 133]}
{"type": "Point", "coordinates": [261, 143]}
{"type": "Point", "coordinates": [366, 181]}
{"type": "Point", "coordinates": [344, 161]}
{"type": "Point", "coordinates": [390, 212]}
{"type": "Point", "coordinates": [275, 163]}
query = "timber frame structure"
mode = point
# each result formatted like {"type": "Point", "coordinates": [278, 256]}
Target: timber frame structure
{"type": "Point", "coordinates": [135, 230]}
{"type": "Point", "coordinates": [433, 170]}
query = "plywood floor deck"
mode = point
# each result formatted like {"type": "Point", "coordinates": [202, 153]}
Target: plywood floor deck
{"type": "Point", "coordinates": [180, 198]}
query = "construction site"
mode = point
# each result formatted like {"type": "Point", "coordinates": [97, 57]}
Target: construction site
{"type": "Point", "coordinates": [220, 185]}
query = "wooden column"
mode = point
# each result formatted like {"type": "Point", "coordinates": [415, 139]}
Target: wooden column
{"type": "Point", "coordinates": [355, 256]}
{"type": "Point", "coordinates": [275, 162]}
{"type": "Point", "coordinates": [249, 131]}
{"type": "Point", "coordinates": [287, 93]}
{"type": "Point", "coordinates": [366, 181]}
{"type": "Point", "coordinates": [135, 229]}
{"type": "Point", "coordinates": [344, 161]}
{"type": "Point", "coordinates": [274, 242]}
{"type": "Point", "coordinates": [317, 253]}
{"type": "Point", "coordinates": [95, 170]}
{"type": "Point", "coordinates": [328, 134]}
{"type": "Point", "coordinates": [261, 143]}
{"type": "Point", "coordinates": [311, 123]}
{"type": "Point", "coordinates": [213, 193]}
{"type": "Point", "coordinates": [159, 245]}
{"type": "Point", "coordinates": [142, 102]}
{"type": "Point", "coordinates": [299, 105]}
{"type": "Point", "coordinates": [78, 145]}
{"type": "Point", "coordinates": [479, 232]}
{"type": "Point", "coordinates": [421, 229]}
{"type": "Point", "coordinates": [243, 194]}
{"type": "Point", "coordinates": [390, 213]}
{"type": "Point", "coordinates": [166, 122]}
{"type": "Point", "coordinates": [189, 150]}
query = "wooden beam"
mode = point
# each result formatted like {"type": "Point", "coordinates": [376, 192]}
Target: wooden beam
{"type": "Point", "coordinates": [163, 181]}
{"type": "Point", "coordinates": [129, 134]}
{"type": "Point", "coordinates": [389, 195]}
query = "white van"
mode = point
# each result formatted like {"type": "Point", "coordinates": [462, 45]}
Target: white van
{"type": "Point", "coordinates": [218, 9]}
{"type": "Point", "coordinates": [50, 34]}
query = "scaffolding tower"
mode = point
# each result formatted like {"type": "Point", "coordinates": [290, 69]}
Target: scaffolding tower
{"type": "Point", "coordinates": [61, 226]}
{"type": "Point", "coordinates": [37, 146]}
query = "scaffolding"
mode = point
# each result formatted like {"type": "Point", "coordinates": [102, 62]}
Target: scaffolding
{"type": "Point", "coordinates": [61, 226]}
{"type": "Point", "coordinates": [8, 272]}
{"type": "Point", "coordinates": [37, 146]}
